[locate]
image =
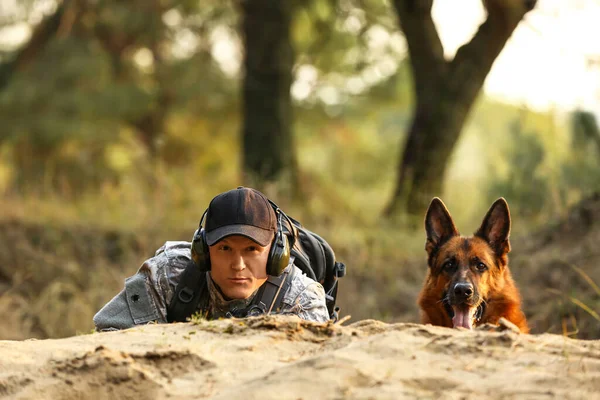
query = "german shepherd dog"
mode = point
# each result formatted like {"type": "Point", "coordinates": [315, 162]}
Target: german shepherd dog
{"type": "Point", "coordinates": [468, 282]}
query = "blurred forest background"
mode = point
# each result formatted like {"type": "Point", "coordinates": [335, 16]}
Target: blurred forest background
{"type": "Point", "coordinates": [119, 121]}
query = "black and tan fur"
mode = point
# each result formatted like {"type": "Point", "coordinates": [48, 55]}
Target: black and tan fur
{"type": "Point", "coordinates": [469, 282]}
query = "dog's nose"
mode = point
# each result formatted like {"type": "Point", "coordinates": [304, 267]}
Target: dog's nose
{"type": "Point", "coordinates": [463, 290]}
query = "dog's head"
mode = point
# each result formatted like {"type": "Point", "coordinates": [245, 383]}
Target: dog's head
{"type": "Point", "coordinates": [467, 269]}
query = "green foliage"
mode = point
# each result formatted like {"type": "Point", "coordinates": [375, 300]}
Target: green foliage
{"type": "Point", "coordinates": [523, 185]}
{"type": "Point", "coordinates": [529, 158]}
{"type": "Point", "coordinates": [582, 171]}
{"type": "Point", "coordinates": [74, 118]}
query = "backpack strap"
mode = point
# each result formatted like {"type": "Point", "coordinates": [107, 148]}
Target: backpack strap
{"type": "Point", "coordinates": [339, 270]}
{"type": "Point", "coordinates": [270, 295]}
{"type": "Point", "coordinates": [190, 295]}
{"type": "Point", "coordinates": [276, 306]}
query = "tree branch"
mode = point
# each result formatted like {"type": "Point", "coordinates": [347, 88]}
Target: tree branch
{"type": "Point", "coordinates": [424, 44]}
{"type": "Point", "coordinates": [473, 61]}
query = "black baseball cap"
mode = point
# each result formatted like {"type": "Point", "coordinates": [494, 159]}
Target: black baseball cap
{"type": "Point", "coordinates": [242, 211]}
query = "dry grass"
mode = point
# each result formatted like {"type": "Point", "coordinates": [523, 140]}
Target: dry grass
{"type": "Point", "coordinates": [60, 264]}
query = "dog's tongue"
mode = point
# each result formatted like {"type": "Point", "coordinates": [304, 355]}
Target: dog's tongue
{"type": "Point", "coordinates": [463, 317]}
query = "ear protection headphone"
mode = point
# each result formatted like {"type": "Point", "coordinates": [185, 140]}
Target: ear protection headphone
{"type": "Point", "coordinates": [279, 255]}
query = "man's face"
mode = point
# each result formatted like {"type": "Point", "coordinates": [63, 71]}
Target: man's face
{"type": "Point", "coordinates": [238, 266]}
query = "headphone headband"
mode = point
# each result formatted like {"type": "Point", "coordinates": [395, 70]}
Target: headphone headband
{"type": "Point", "coordinates": [278, 214]}
{"type": "Point", "coordinates": [280, 225]}
{"type": "Point", "coordinates": [202, 218]}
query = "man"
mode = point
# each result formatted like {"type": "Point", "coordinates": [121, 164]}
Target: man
{"type": "Point", "coordinates": [241, 242]}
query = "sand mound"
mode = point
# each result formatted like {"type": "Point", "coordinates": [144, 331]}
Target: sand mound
{"type": "Point", "coordinates": [285, 358]}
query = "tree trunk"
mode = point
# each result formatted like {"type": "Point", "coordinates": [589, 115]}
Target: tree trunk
{"type": "Point", "coordinates": [445, 92]}
{"type": "Point", "coordinates": [268, 146]}
{"type": "Point", "coordinates": [431, 139]}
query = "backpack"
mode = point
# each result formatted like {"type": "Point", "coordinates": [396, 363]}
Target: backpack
{"type": "Point", "coordinates": [315, 257]}
{"type": "Point", "coordinates": [312, 255]}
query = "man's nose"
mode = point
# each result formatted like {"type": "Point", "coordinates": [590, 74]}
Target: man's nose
{"type": "Point", "coordinates": [463, 290]}
{"type": "Point", "coordinates": [238, 263]}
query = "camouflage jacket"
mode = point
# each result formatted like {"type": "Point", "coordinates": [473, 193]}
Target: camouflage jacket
{"type": "Point", "coordinates": [148, 293]}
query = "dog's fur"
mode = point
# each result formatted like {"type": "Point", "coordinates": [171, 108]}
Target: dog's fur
{"type": "Point", "coordinates": [468, 282]}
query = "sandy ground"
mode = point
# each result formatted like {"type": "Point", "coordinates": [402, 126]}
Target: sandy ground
{"type": "Point", "coordinates": [285, 358]}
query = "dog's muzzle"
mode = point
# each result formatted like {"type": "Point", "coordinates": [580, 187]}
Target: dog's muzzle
{"type": "Point", "coordinates": [478, 314]}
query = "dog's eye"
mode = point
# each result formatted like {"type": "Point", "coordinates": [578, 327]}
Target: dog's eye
{"type": "Point", "coordinates": [481, 267]}
{"type": "Point", "coordinates": [449, 265]}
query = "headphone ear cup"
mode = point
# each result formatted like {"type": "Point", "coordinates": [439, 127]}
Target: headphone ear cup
{"type": "Point", "coordinates": [279, 255]}
{"type": "Point", "coordinates": [200, 253]}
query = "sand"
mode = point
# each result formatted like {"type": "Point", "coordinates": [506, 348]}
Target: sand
{"type": "Point", "coordinates": [286, 358]}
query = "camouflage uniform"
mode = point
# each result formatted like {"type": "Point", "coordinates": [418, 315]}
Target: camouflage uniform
{"type": "Point", "coordinates": [147, 294]}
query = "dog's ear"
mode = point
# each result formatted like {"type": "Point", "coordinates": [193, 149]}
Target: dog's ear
{"type": "Point", "coordinates": [495, 227]}
{"type": "Point", "coordinates": [438, 225]}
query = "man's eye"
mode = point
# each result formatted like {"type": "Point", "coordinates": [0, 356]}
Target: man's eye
{"type": "Point", "coordinates": [252, 248]}
{"type": "Point", "coordinates": [224, 248]}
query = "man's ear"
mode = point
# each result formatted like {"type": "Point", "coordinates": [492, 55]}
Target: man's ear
{"type": "Point", "coordinates": [495, 228]}
{"type": "Point", "coordinates": [438, 225]}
